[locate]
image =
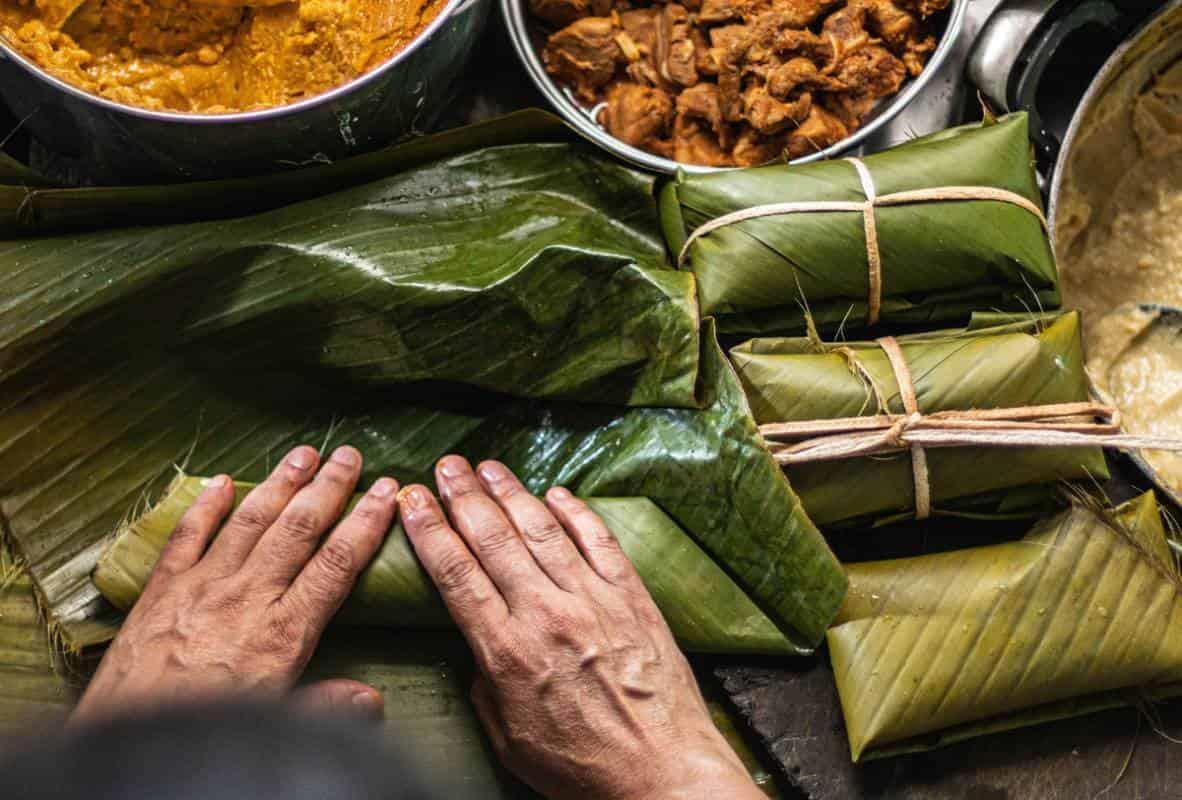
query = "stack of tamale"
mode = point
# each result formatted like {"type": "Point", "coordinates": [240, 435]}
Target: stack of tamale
{"type": "Point", "coordinates": [462, 293]}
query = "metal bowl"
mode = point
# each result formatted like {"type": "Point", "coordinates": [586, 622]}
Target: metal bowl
{"type": "Point", "coordinates": [122, 143]}
{"type": "Point", "coordinates": [583, 120]}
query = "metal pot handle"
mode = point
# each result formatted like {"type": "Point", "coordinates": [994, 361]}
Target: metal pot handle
{"type": "Point", "coordinates": [1013, 51]}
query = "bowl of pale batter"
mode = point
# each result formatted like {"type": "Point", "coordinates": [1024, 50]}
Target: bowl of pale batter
{"type": "Point", "coordinates": [188, 89]}
{"type": "Point", "coordinates": [1116, 203]}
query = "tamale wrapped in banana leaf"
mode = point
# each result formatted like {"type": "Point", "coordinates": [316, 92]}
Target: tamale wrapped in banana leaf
{"type": "Point", "coordinates": [508, 302]}
{"type": "Point", "coordinates": [396, 592]}
{"type": "Point", "coordinates": [1082, 614]}
{"type": "Point", "coordinates": [33, 679]}
{"type": "Point", "coordinates": [956, 227]}
{"type": "Point", "coordinates": [997, 362]}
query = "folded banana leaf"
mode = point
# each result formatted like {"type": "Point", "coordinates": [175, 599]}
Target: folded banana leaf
{"type": "Point", "coordinates": [395, 591]}
{"type": "Point", "coordinates": [530, 270]}
{"type": "Point", "coordinates": [33, 680]}
{"type": "Point", "coordinates": [995, 362]}
{"type": "Point", "coordinates": [1082, 614]}
{"type": "Point", "coordinates": [940, 261]}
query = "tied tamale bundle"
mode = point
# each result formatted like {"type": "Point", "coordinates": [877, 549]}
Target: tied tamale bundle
{"type": "Point", "coordinates": [997, 362]}
{"type": "Point", "coordinates": [1084, 613]}
{"type": "Point", "coordinates": [924, 233]}
{"type": "Point", "coordinates": [705, 609]}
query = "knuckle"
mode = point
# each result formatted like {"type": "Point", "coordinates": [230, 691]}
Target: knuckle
{"type": "Point", "coordinates": [542, 531]}
{"type": "Point", "coordinates": [337, 560]}
{"type": "Point", "coordinates": [302, 523]}
{"type": "Point", "coordinates": [285, 631]}
{"type": "Point", "coordinates": [251, 517]}
{"type": "Point", "coordinates": [185, 531]}
{"type": "Point", "coordinates": [369, 515]}
{"type": "Point", "coordinates": [431, 526]}
{"type": "Point", "coordinates": [455, 571]}
{"type": "Point", "coordinates": [494, 538]}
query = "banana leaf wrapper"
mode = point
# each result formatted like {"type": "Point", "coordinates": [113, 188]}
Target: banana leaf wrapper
{"type": "Point", "coordinates": [996, 362]}
{"type": "Point", "coordinates": [395, 591]}
{"type": "Point", "coordinates": [34, 686]}
{"type": "Point", "coordinates": [505, 280]}
{"type": "Point", "coordinates": [1083, 614]}
{"type": "Point", "coordinates": [940, 261]}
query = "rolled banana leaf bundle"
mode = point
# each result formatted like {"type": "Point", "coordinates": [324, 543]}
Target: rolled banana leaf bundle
{"type": "Point", "coordinates": [955, 226]}
{"type": "Point", "coordinates": [33, 682]}
{"type": "Point", "coordinates": [997, 362]}
{"type": "Point", "coordinates": [1084, 613]}
{"type": "Point", "coordinates": [395, 592]}
{"type": "Point", "coordinates": [509, 301]}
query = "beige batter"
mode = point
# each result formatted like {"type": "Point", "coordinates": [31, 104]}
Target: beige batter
{"type": "Point", "coordinates": [1137, 365]}
{"type": "Point", "coordinates": [1132, 253]}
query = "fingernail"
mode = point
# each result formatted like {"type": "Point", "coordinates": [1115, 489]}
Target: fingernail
{"type": "Point", "coordinates": [452, 466]}
{"type": "Point", "coordinates": [414, 497]}
{"type": "Point", "coordinates": [346, 456]}
{"type": "Point", "coordinates": [495, 472]}
{"type": "Point", "coordinates": [367, 703]}
{"type": "Point", "coordinates": [218, 482]}
{"type": "Point", "coordinates": [384, 487]}
{"type": "Point", "coordinates": [560, 494]}
{"type": "Point", "coordinates": [301, 458]}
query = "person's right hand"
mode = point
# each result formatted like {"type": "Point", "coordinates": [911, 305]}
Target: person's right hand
{"type": "Point", "coordinates": [583, 690]}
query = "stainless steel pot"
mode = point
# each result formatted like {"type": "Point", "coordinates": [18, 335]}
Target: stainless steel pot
{"type": "Point", "coordinates": [125, 144]}
{"type": "Point", "coordinates": [583, 120]}
{"type": "Point", "coordinates": [1084, 161]}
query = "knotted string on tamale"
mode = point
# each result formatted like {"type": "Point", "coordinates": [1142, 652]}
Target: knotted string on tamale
{"type": "Point", "coordinates": [1082, 614]}
{"type": "Point", "coordinates": [705, 609]}
{"type": "Point", "coordinates": [997, 362]}
{"type": "Point", "coordinates": [926, 232]}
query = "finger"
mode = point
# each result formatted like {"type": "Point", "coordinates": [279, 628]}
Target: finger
{"type": "Point", "coordinates": [489, 715]}
{"type": "Point", "coordinates": [259, 510]}
{"type": "Point", "coordinates": [596, 542]}
{"type": "Point", "coordinates": [543, 535]}
{"type": "Point", "coordinates": [470, 596]}
{"type": "Point", "coordinates": [340, 698]}
{"type": "Point", "coordinates": [286, 547]}
{"type": "Point", "coordinates": [200, 522]}
{"type": "Point", "coordinates": [489, 534]}
{"type": "Point", "coordinates": [322, 586]}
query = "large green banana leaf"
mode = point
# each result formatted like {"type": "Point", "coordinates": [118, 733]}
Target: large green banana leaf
{"type": "Point", "coordinates": [530, 270]}
{"type": "Point", "coordinates": [939, 648]}
{"type": "Point", "coordinates": [996, 362]}
{"type": "Point", "coordinates": [379, 283]}
{"type": "Point", "coordinates": [395, 591]}
{"type": "Point", "coordinates": [33, 683]}
{"type": "Point", "coordinates": [940, 260]}
{"type": "Point", "coordinates": [31, 205]}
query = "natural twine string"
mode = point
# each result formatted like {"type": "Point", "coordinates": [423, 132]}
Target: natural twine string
{"type": "Point", "coordinates": [867, 209]}
{"type": "Point", "coordinates": [1082, 424]}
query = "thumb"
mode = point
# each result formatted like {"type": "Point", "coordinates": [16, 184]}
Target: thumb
{"type": "Point", "coordinates": [340, 697]}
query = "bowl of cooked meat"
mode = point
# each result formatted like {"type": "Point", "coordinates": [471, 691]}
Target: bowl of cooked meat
{"type": "Point", "coordinates": [699, 85]}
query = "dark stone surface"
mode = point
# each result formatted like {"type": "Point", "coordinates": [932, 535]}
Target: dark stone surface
{"type": "Point", "coordinates": [795, 712]}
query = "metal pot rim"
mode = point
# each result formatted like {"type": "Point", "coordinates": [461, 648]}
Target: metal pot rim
{"type": "Point", "coordinates": [1095, 91]}
{"type": "Point", "coordinates": [578, 118]}
{"type": "Point", "coordinates": [449, 10]}
{"type": "Point", "coordinates": [1113, 65]}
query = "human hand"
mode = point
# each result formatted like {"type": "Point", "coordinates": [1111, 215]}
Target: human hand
{"type": "Point", "coordinates": [242, 616]}
{"type": "Point", "coordinates": [583, 690]}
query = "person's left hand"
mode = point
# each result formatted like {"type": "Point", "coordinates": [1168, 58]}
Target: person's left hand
{"type": "Point", "coordinates": [243, 615]}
